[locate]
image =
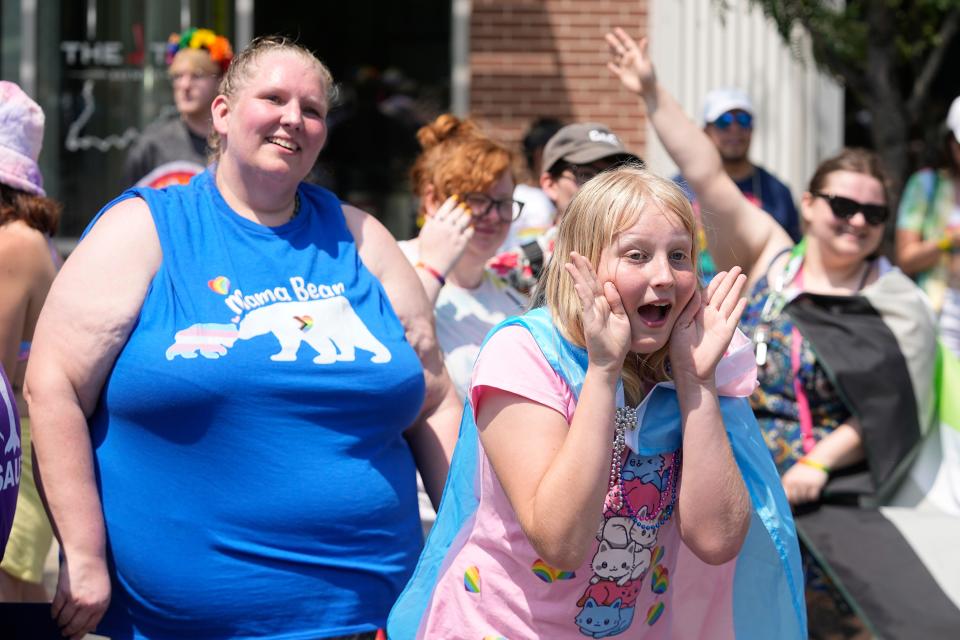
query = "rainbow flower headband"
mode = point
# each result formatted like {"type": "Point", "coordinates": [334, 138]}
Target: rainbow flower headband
{"type": "Point", "coordinates": [217, 46]}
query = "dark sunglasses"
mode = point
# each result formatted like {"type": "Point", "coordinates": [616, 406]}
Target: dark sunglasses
{"type": "Point", "coordinates": [742, 118]}
{"type": "Point", "coordinates": [481, 204]}
{"type": "Point", "coordinates": [845, 208]}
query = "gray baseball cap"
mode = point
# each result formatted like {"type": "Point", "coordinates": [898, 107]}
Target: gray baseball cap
{"type": "Point", "coordinates": [584, 143]}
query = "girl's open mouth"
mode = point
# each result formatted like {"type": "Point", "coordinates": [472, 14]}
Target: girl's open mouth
{"type": "Point", "coordinates": [654, 315]}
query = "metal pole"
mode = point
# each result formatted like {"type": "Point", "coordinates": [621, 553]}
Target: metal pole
{"type": "Point", "coordinates": [460, 58]}
{"type": "Point", "coordinates": [243, 31]}
{"type": "Point", "coordinates": [28, 47]}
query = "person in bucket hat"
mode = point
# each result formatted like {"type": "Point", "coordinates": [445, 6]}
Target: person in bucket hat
{"type": "Point", "coordinates": [28, 265]}
{"type": "Point", "coordinates": [573, 156]}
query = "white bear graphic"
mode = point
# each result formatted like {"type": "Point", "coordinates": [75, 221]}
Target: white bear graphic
{"type": "Point", "coordinates": [330, 326]}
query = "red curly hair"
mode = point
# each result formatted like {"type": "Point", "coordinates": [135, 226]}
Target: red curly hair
{"type": "Point", "coordinates": [457, 158]}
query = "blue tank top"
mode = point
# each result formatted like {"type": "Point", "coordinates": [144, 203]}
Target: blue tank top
{"type": "Point", "coordinates": [249, 441]}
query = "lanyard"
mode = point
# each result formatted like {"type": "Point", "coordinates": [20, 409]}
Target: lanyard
{"type": "Point", "coordinates": [777, 300]}
{"type": "Point", "coordinates": [773, 307]}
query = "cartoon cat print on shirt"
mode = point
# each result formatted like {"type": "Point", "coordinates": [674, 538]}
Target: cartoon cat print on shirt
{"type": "Point", "coordinates": [647, 469]}
{"type": "Point", "coordinates": [599, 621]}
{"type": "Point", "coordinates": [627, 550]}
{"type": "Point", "coordinates": [623, 554]}
{"type": "Point", "coordinates": [607, 609]}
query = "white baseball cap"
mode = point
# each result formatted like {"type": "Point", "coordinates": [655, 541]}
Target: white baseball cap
{"type": "Point", "coordinates": [953, 118]}
{"type": "Point", "coordinates": [719, 101]}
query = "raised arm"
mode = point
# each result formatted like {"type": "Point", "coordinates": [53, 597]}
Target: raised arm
{"type": "Point", "coordinates": [433, 435]}
{"type": "Point", "coordinates": [738, 232]}
{"type": "Point", "coordinates": [87, 318]}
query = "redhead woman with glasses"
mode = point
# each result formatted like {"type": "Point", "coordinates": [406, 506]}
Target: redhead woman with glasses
{"type": "Point", "coordinates": [465, 184]}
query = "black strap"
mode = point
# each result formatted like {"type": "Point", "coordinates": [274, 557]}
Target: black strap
{"type": "Point", "coordinates": [534, 255]}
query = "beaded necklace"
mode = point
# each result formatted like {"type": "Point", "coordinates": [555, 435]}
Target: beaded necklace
{"type": "Point", "coordinates": [626, 418]}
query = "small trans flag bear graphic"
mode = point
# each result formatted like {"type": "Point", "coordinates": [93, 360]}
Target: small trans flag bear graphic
{"type": "Point", "coordinates": [206, 339]}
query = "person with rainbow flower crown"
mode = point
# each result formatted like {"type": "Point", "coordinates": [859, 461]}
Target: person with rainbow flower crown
{"type": "Point", "coordinates": [173, 149]}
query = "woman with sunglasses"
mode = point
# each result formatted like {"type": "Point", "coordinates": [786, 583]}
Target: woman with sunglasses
{"type": "Point", "coordinates": [827, 315]}
{"type": "Point", "coordinates": [465, 185]}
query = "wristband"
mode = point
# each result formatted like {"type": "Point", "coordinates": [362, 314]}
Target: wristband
{"type": "Point", "coordinates": [813, 463]}
{"type": "Point", "coordinates": [945, 243]}
{"type": "Point", "coordinates": [436, 274]}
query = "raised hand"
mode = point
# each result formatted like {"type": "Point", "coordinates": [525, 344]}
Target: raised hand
{"type": "Point", "coordinates": [606, 328]}
{"type": "Point", "coordinates": [705, 328]}
{"type": "Point", "coordinates": [445, 235]}
{"type": "Point", "coordinates": [630, 62]}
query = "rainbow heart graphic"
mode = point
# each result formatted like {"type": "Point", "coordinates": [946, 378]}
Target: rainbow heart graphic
{"type": "Point", "coordinates": [654, 612]}
{"type": "Point", "coordinates": [494, 638]}
{"type": "Point", "coordinates": [659, 579]}
{"type": "Point", "coordinates": [220, 284]}
{"type": "Point", "coordinates": [548, 574]}
{"type": "Point", "coordinates": [471, 579]}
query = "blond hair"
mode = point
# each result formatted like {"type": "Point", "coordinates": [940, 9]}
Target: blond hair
{"type": "Point", "coordinates": [242, 68]}
{"type": "Point", "coordinates": [606, 206]}
{"type": "Point", "coordinates": [197, 60]}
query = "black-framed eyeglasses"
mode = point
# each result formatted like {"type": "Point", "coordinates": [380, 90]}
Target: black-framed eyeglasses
{"type": "Point", "coordinates": [846, 208]}
{"type": "Point", "coordinates": [481, 204]}
{"type": "Point", "coordinates": [580, 174]}
{"type": "Point", "coordinates": [742, 118]}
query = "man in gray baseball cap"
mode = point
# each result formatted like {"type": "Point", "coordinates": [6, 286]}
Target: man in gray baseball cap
{"type": "Point", "coordinates": [575, 154]}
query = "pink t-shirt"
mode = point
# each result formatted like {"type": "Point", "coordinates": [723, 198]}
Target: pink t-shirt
{"type": "Point", "coordinates": [496, 586]}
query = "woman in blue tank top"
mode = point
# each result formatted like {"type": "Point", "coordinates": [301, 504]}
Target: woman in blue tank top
{"type": "Point", "coordinates": [233, 383]}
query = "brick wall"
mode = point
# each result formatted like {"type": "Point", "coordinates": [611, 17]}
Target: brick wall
{"type": "Point", "coordinates": [532, 58]}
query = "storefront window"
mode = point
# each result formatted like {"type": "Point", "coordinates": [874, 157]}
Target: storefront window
{"type": "Point", "coordinates": [100, 77]}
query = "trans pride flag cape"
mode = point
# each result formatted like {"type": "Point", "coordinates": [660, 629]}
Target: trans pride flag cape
{"type": "Point", "coordinates": [758, 595]}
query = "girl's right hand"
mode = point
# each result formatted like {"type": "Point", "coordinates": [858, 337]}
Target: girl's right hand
{"type": "Point", "coordinates": [445, 235]}
{"type": "Point", "coordinates": [606, 328]}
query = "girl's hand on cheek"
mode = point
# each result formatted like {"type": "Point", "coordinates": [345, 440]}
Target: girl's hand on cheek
{"type": "Point", "coordinates": [705, 327]}
{"type": "Point", "coordinates": [606, 327]}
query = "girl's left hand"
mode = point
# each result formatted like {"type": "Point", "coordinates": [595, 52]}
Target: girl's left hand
{"type": "Point", "coordinates": [705, 327]}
